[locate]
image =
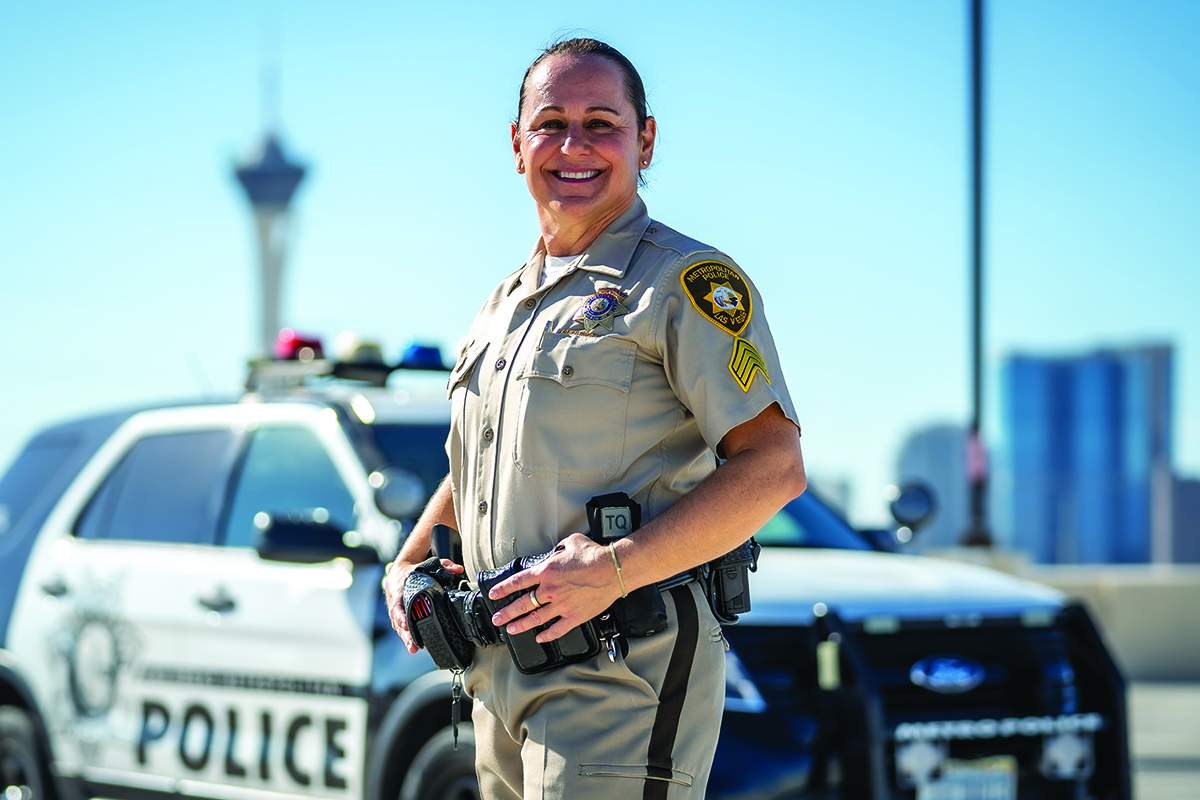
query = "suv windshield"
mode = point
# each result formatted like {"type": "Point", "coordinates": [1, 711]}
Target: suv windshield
{"type": "Point", "coordinates": [32, 470]}
{"type": "Point", "coordinates": [418, 448]}
{"type": "Point", "coordinates": [808, 522]}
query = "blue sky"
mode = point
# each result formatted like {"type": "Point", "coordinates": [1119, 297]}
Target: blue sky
{"type": "Point", "coordinates": [822, 144]}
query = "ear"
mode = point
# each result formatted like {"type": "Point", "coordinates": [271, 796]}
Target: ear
{"type": "Point", "coordinates": [516, 145]}
{"type": "Point", "coordinates": [647, 144]}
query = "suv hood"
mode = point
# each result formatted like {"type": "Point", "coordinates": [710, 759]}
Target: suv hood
{"type": "Point", "coordinates": [857, 584]}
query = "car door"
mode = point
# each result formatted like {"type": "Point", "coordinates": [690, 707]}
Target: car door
{"type": "Point", "coordinates": [168, 656]}
{"type": "Point", "coordinates": [109, 588]}
{"type": "Point", "coordinates": [284, 659]}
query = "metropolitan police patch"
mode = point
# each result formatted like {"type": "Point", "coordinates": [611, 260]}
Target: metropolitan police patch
{"type": "Point", "coordinates": [720, 294]}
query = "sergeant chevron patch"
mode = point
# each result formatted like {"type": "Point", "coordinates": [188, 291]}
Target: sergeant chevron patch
{"type": "Point", "coordinates": [745, 361]}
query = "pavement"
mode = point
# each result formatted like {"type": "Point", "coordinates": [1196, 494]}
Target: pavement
{"type": "Point", "coordinates": [1164, 728]}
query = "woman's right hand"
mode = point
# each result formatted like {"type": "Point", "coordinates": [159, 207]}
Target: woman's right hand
{"type": "Point", "coordinates": [393, 591]}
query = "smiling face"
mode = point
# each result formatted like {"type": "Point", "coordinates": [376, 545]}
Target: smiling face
{"type": "Point", "coordinates": [578, 145]}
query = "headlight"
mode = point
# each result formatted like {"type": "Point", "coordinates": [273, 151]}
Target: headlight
{"type": "Point", "coordinates": [740, 692]}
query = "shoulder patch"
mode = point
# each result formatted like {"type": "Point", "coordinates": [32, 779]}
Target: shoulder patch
{"type": "Point", "coordinates": [745, 362]}
{"type": "Point", "coordinates": [720, 294]}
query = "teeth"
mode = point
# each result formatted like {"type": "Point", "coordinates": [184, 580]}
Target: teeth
{"type": "Point", "coordinates": [591, 173]}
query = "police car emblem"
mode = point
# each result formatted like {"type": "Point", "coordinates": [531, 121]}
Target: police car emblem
{"type": "Point", "coordinates": [599, 309]}
{"type": "Point", "coordinates": [720, 294]}
{"type": "Point", "coordinates": [947, 674]}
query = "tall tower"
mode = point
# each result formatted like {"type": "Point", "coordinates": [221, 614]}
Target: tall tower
{"type": "Point", "coordinates": [270, 180]}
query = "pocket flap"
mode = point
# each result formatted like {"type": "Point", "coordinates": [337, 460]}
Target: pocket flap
{"type": "Point", "coordinates": [571, 360]}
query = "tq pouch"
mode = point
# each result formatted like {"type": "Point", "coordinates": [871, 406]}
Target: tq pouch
{"type": "Point", "coordinates": [642, 612]}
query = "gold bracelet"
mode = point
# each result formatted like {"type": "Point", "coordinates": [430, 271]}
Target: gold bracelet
{"type": "Point", "coordinates": [613, 552]}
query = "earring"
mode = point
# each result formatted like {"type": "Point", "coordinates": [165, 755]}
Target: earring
{"type": "Point", "coordinates": [645, 163]}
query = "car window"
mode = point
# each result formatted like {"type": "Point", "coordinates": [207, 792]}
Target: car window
{"type": "Point", "coordinates": [807, 522]}
{"type": "Point", "coordinates": [285, 469]}
{"type": "Point", "coordinates": [167, 488]}
{"type": "Point", "coordinates": [29, 474]}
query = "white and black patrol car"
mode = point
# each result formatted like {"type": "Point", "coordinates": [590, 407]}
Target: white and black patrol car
{"type": "Point", "coordinates": [190, 605]}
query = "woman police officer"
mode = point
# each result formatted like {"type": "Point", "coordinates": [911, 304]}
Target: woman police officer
{"type": "Point", "coordinates": [618, 359]}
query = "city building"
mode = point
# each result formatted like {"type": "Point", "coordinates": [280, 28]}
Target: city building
{"type": "Point", "coordinates": [1185, 539]}
{"type": "Point", "coordinates": [1089, 455]}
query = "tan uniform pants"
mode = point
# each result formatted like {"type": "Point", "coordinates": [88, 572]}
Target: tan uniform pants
{"type": "Point", "coordinates": [642, 728]}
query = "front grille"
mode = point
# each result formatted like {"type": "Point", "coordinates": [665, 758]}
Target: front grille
{"type": "Point", "coordinates": [1036, 677]}
{"type": "Point", "coordinates": [1027, 671]}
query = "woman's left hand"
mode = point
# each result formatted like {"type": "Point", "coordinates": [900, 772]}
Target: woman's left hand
{"type": "Point", "coordinates": [576, 583]}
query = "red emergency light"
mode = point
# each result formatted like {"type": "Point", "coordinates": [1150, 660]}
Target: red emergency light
{"type": "Point", "coordinates": [292, 346]}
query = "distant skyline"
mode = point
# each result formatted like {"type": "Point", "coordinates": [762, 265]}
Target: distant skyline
{"type": "Point", "coordinates": [822, 145]}
{"type": "Point", "coordinates": [1088, 460]}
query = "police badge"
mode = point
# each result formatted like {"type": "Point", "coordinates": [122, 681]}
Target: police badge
{"type": "Point", "coordinates": [599, 309]}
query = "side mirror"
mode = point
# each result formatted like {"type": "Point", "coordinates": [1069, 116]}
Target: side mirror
{"type": "Point", "coordinates": [308, 537]}
{"type": "Point", "coordinates": [912, 505]}
{"type": "Point", "coordinates": [399, 492]}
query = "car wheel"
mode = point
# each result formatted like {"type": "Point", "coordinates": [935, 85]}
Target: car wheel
{"type": "Point", "coordinates": [439, 772]}
{"type": "Point", "coordinates": [21, 773]}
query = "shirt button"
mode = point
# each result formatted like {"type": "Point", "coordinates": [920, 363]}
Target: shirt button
{"type": "Point", "coordinates": [488, 433]}
{"type": "Point", "coordinates": [483, 506]}
{"type": "Point", "coordinates": [568, 371]}
{"type": "Point", "coordinates": [530, 303]}
{"type": "Point", "coordinates": [500, 364]}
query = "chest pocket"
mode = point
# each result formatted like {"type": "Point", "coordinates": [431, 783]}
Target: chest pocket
{"type": "Point", "coordinates": [574, 404]}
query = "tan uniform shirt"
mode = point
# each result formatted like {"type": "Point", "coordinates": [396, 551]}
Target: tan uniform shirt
{"type": "Point", "coordinates": [623, 374]}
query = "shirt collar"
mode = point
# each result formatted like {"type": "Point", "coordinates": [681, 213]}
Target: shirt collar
{"type": "Point", "coordinates": [613, 249]}
{"type": "Point", "coordinates": [610, 254]}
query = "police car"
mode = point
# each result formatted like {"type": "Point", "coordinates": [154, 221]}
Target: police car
{"type": "Point", "coordinates": [190, 605]}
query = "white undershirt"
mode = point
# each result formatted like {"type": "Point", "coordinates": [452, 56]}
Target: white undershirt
{"type": "Point", "coordinates": [555, 267]}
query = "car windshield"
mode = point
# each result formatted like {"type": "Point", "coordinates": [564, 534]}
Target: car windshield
{"type": "Point", "coordinates": [420, 449]}
{"type": "Point", "coordinates": [808, 522]}
{"type": "Point", "coordinates": [32, 470]}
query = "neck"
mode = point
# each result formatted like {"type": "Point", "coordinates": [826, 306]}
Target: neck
{"type": "Point", "coordinates": [563, 237]}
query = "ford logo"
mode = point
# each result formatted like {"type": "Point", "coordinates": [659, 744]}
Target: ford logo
{"type": "Point", "coordinates": [947, 674]}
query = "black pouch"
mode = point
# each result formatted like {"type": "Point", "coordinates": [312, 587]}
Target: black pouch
{"type": "Point", "coordinates": [727, 581]}
{"type": "Point", "coordinates": [431, 620]}
{"type": "Point", "coordinates": [530, 655]}
{"type": "Point", "coordinates": [642, 612]}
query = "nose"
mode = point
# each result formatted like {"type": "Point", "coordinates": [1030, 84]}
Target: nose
{"type": "Point", "coordinates": [575, 143]}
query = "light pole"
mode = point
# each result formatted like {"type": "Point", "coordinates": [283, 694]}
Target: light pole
{"type": "Point", "coordinates": [977, 533]}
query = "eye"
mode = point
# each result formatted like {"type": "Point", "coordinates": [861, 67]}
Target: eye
{"type": "Point", "coordinates": [551, 125]}
{"type": "Point", "coordinates": [600, 123]}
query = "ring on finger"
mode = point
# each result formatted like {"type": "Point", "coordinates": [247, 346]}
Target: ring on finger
{"type": "Point", "coordinates": [533, 597]}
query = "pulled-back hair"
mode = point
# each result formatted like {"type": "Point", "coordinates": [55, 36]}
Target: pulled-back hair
{"type": "Point", "coordinates": [635, 92]}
